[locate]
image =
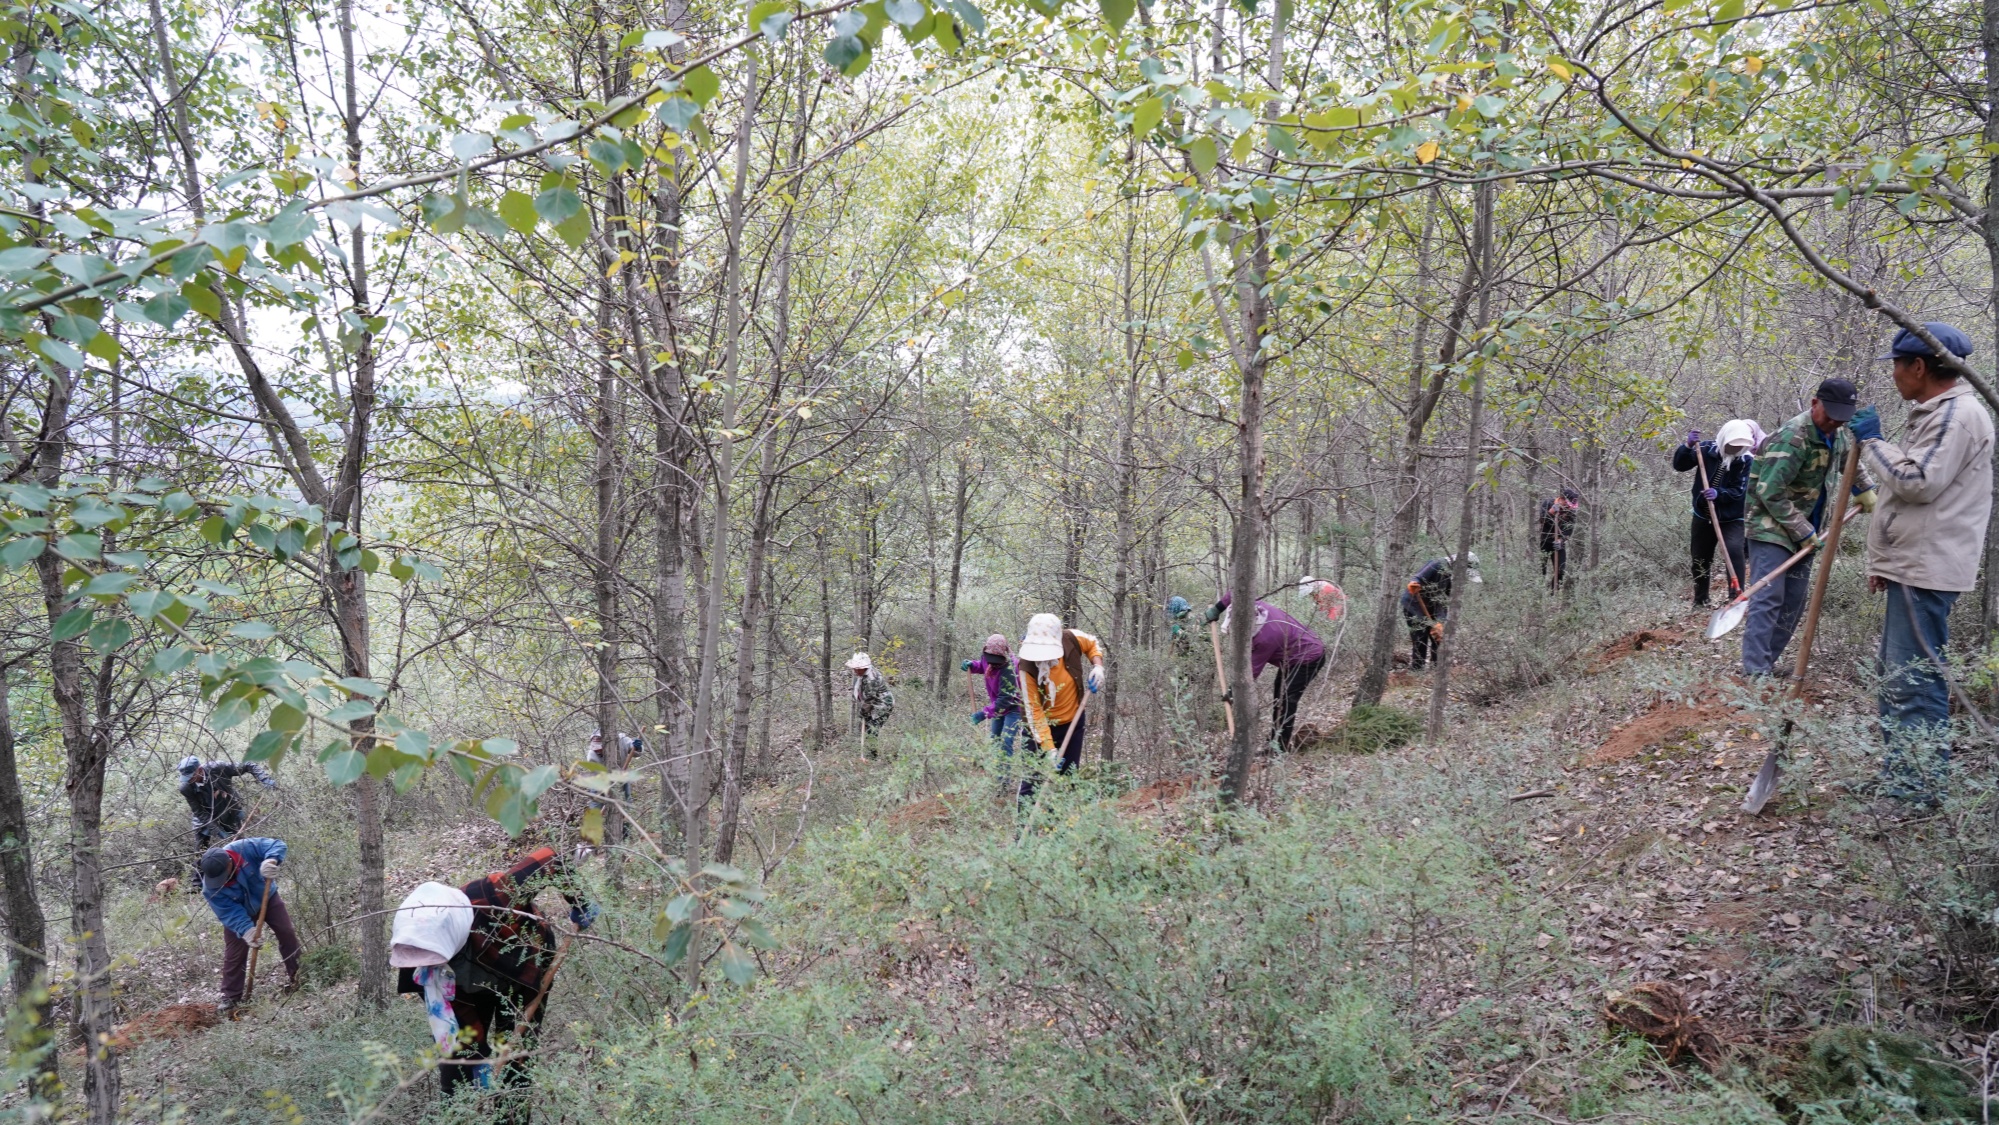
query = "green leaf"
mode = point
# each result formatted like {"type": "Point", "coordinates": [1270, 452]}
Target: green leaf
{"type": "Point", "coordinates": [58, 352]}
{"type": "Point", "coordinates": [115, 582]}
{"type": "Point", "coordinates": [202, 299]}
{"type": "Point", "coordinates": [1728, 11]}
{"type": "Point", "coordinates": [758, 935]}
{"type": "Point", "coordinates": [79, 547]}
{"type": "Point", "coordinates": [701, 84]}
{"type": "Point", "coordinates": [842, 51]}
{"type": "Point", "coordinates": [468, 147]}
{"type": "Point", "coordinates": [349, 711]}
{"type": "Point", "coordinates": [110, 635]}
{"type": "Point", "coordinates": [1116, 13]}
{"type": "Point", "coordinates": [401, 570]}
{"type": "Point", "coordinates": [607, 155]}
{"type": "Point", "coordinates": [722, 872]}
{"type": "Point", "coordinates": [593, 825]}
{"type": "Point", "coordinates": [737, 964]}
{"type": "Point", "coordinates": [289, 227]}
{"type": "Point", "coordinates": [370, 561]}
{"type": "Point", "coordinates": [148, 604]}
{"type": "Point", "coordinates": [346, 767]}
{"type": "Point", "coordinates": [517, 211]}
{"type": "Point", "coordinates": [286, 718]}
{"type": "Point", "coordinates": [675, 949]}
{"type": "Point", "coordinates": [253, 630]}
{"type": "Point", "coordinates": [906, 13]}
{"type": "Point", "coordinates": [359, 686]}
{"type": "Point", "coordinates": [415, 743]}
{"type": "Point", "coordinates": [771, 19]}
{"type": "Point", "coordinates": [266, 745]}
{"type": "Point", "coordinates": [167, 661]}
{"type": "Point", "coordinates": [682, 907]}
{"type": "Point", "coordinates": [500, 747]}
{"type": "Point", "coordinates": [558, 204]}
{"type": "Point", "coordinates": [233, 711]}
{"type": "Point", "coordinates": [1202, 154]}
{"type": "Point", "coordinates": [1488, 106]}
{"type": "Point", "coordinates": [538, 780]}
{"type": "Point", "coordinates": [23, 551]}
{"type": "Point", "coordinates": [574, 230]}
{"type": "Point", "coordinates": [1145, 116]}
{"type": "Point", "coordinates": [652, 40]}
{"type": "Point", "coordinates": [72, 624]}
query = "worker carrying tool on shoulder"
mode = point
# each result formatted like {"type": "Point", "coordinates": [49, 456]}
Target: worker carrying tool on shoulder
{"type": "Point", "coordinates": [484, 959]}
{"type": "Point", "coordinates": [1426, 602]}
{"type": "Point", "coordinates": [239, 883]}
{"type": "Point", "coordinates": [1924, 546]}
{"type": "Point", "coordinates": [1283, 640]}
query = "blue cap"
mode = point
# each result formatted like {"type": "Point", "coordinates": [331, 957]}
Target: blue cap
{"type": "Point", "coordinates": [1908, 343]}
{"type": "Point", "coordinates": [1176, 606]}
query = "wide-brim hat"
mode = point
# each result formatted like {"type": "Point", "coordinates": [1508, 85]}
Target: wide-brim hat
{"type": "Point", "coordinates": [431, 926]}
{"type": "Point", "coordinates": [1044, 638]}
{"type": "Point", "coordinates": [859, 662]}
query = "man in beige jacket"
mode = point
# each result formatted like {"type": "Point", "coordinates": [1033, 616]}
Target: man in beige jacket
{"type": "Point", "coordinates": [1924, 546]}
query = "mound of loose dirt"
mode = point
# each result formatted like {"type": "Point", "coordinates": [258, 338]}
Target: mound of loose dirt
{"type": "Point", "coordinates": [174, 1022]}
{"type": "Point", "coordinates": [1663, 723]}
{"type": "Point", "coordinates": [1157, 796]}
{"type": "Point", "coordinates": [1631, 644]}
{"type": "Point", "coordinates": [924, 813]}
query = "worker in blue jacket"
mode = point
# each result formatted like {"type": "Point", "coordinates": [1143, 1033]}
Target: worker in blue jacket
{"type": "Point", "coordinates": [233, 879]}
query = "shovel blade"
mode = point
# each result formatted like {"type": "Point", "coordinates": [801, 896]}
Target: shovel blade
{"type": "Point", "coordinates": [1765, 785]}
{"type": "Point", "coordinates": [1726, 619]}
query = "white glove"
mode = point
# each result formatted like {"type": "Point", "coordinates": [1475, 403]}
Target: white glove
{"type": "Point", "coordinates": [268, 869]}
{"type": "Point", "coordinates": [1096, 677]}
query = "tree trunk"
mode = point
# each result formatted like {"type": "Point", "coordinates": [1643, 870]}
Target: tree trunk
{"type": "Point", "coordinates": [958, 504]}
{"type": "Point", "coordinates": [604, 564]}
{"type": "Point", "coordinates": [1989, 34]}
{"type": "Point", "coordinates": [822, 693]}
{"type": "Point", "coordinates": [1440, 686]}
{"type": "Point", "coordinates": [27, 930]}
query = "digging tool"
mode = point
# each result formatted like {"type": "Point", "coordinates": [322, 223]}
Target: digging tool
{"type": "Point", "coordinates": [1729, 616]}
{"type": "Point", "coordinates": [972, 687]}
{"type": "Point", "coordinates": [1720, 540]}
{"type": "Point", "coordinates": [1765, 785]}
{"type": "Point", "coordinates": [256, 947]}
{"type": "Point", "coordinates": [1221, 675]}
{"type": "Point", "coordinates": [1082, 703]}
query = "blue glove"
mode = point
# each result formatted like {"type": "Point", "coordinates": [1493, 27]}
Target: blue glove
{"type": "Point", "coordinates": [1866, 424]}
{"type": "Point", "coordinates": [964, 666]}
{"type": "Point", "coordinates": [583, 915]}
{"type": "Point", "coordinates": [1214, 613]}
{"type": "Point", "coordinates": [1711, 494]}
{"type": "Point", "coordinates": [978, 717]}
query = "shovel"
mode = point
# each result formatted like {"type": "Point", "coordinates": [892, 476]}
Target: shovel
{"type": "Point", "coordinates": [1221, 677]}
{"type": "Point", "coordinates": [1720, 540]}
{"type": "Point", "coordinates": [1764, 786]}
{"type": "Point", "coordinates": [1729, 616]}
{"type": "Point", "coordinates": [256, 947]}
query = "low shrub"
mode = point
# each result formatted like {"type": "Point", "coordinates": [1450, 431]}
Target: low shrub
{"type": "Point", "coordinates": [1371, 728]}
{"type": "Point", "coordinates": [1866, 1074]}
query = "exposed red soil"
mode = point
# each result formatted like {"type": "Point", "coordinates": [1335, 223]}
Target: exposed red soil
{"type": "Point", "coordinates": [1157, 796]}
{"type": "Point", "coordinates": [175, 1022]}
{"type": "Point", "coordinates": [1663, 723]}
{"type": "Point", "coordinates": [1633, 643]}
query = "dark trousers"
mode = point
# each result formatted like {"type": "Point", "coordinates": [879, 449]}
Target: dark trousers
{"type": "Point", "coordinates": [236, 951]}
{"type": "Point", "coordinates": [1914, 698]}
{"type": "Point", "coordinates": [1292, 680]}
{"type": "Point", "coordinates": [1422, 646]}
{"type": "Point", "coordinates": [1774, 610]}
{"type": "Point", "coordinates": [1555, 564]}
{"type": "Point", "coordinates": [1703, 542]}
{"type": "Point", "coordinates": [482, 1017]}
{"type": "Point", "coordinates": [1059, 731]}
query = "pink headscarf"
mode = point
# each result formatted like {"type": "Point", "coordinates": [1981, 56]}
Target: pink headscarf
{"type": "Point", "coordinates": [998, 645]}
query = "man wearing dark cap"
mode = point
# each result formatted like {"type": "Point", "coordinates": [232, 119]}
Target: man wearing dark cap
{"type": "Point", "coordinates": [1924, 546]}
{"type": "Point", "coordinates": [1786, 507]}
{"type": "Point", "coordinates": [233, 879]}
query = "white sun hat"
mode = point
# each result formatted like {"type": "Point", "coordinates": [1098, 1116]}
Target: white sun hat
{"type": "Point", "coordinates": [859, 662]}
{"type": "Point", "coordinates": [1044, 638]}
{"type": "Point", "coordinates": [431, 927]}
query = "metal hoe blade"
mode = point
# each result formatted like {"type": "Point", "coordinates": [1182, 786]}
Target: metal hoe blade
{"type": "Point", "coordinates": [1727, 618]}
{"type": "Point", "coordinates": [1765, 785]}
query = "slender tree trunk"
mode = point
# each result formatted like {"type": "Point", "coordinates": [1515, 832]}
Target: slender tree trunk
{"type": "Point", "coordinates": [604, 564]}
{"type": "Point", "coordinates": [27, 930]}
{"type": "Point", "coordinates": [823, 688]}
{"type": "Point", "coordinates": [1989, 34]}
{"type": "Point", "coordinates": [959, 496]}
{"type": "Point", "coordinates": [1440, 687]}
{"type": "Point", "coordinates": [1121, 577]}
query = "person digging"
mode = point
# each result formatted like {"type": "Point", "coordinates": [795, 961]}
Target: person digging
{"type": "Point", "coordinates": [1053, 680]}
{"type": "Point", "coordinates": [1283, 640]}
{"type": "Point", "coordinates": [484, 960]}
{"type": "Point", "coordinates": [239, 882]}
{"type": "Point", "coordinates": [1426, 602]}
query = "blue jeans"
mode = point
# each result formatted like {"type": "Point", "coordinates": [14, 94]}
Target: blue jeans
{"type": "Point", "coordinates": [1914, 699]}
{"type": "Point", "coordinates": [1005, 731]}
{"type": "Point", "coordinates": [1774, 610]}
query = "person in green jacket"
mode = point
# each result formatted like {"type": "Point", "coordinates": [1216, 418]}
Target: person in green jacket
{"type": "Point", "coordinates": [1786, 510]}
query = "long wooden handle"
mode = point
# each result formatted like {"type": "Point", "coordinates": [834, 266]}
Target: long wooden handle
{"type": "Point", "coordinates": [547, 980]}
{"type": "Point", "coordinates": [1720, 540]}
{"type": "Point", "coordinates": [256, 938]}
{"type": "Point", "coordinates": [1221, 676]}
{"type": "Point", "coordinates": [1787, 563]}
{"type": "Point", "coordinates": [1082, 701]}
{"type": "Point", "coordinates": [1820, 580]}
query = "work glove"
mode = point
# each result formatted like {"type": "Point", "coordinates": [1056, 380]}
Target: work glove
{"type": "Point", "coordinates": [1866, 424]}
{"type": "Point", "coordinates": [1228, 696]}
{"type": "Point", "coordinates": [1096, 678]}
{"type": "Point", "coordinates": [964, 666]}
{"type": "Point", "coordinates": [268, 869]}
{"type": "Point", "coordinates": [1711, 494]}
{"type": "Point", "coordinates": [1214, 613]}
{"type": "Point", "coordinates": [978, 717]}
{"type": "Point", "coordinates": [1867, 500]}
{"type": "Point", "coordinates": [582, 916]}
{"type": "Point", "coordinates": [1693, 437]}
{"type": "Point", "coordinates": [1436, 632]}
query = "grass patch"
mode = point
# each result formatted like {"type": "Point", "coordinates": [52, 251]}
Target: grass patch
{"type": "Point", "coordinates": [1371, 728]}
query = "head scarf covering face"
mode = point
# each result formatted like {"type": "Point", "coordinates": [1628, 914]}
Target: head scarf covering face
{"type": "Point", "coordinates": [1736, 437]}
{"type": "Point", "coordinates": [859, 662]}
{"type": "Point", "coordinates": [430, 927]}
{"type": "Point", "coordinates": [998, 645]}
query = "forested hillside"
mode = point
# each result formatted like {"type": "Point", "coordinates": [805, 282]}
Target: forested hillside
{"type": "Point", "coordinates": [599, 457]}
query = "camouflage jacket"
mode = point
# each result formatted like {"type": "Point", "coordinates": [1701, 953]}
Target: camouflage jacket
{"type": "Point", "coordinates": [876, 702]}
{"type": "Point", "coordinates": [1793, 471]}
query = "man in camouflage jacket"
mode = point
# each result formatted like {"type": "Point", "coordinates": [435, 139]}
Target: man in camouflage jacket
{"type": "Point", "coordinates": [1786, 508]}
{"type": "Point", "coordinates": [872, 699]}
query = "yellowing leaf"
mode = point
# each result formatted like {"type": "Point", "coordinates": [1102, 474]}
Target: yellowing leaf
{"type": "Point", "coordinates": [1560, 71]}
{"type": "Point", "coordinates": [1753, 64]}
{"type": "Point", "coordinates": [1426, 152]}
